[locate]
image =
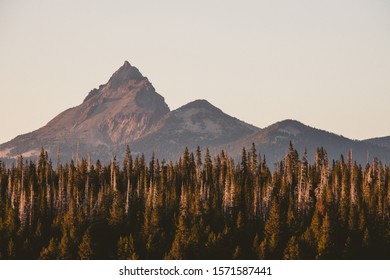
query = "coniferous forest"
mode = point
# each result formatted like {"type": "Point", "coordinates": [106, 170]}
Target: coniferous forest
{"type": "Point", "coordinates": [200, 207]}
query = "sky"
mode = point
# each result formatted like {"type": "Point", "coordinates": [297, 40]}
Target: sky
{"type": "Point", "coordinates": [324, 63]}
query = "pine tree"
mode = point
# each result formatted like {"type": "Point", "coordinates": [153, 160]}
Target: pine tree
{"type": "Point", "coordinates": [292, 250]}
{"type": "Point", "coordinates": [11, 251]}
{"type": "Point", "coordinates": [180, 243]}
{"type": "Point", "coordinates": [253, 160]}
{"type": "Point", "coordinates": [273, 230]}
{"type": "Point", "coordinates": [126, 250]}
{"type": "Point", "coordinates": [85, 248]}
{"type": "Point", "coordinates": [195, 208]}
{"type": "Point", "coordinates": [325, 244]}
{"type": "Point", "coordinates": [65, 247]}
{"type": "Point", "coordinates": [50, 252]}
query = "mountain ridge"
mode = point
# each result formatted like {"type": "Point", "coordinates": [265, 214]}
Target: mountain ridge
{"type": "Point", "coordinates": [273, 142]}
{"type": "Point", "coordinates": [119, 111]}
{"type": "Point", "coordinates": [127, 110]}
{"type": "Point", "coordinates": [198, 123]}
{"type": "Point", "coordinates": [381, 141]}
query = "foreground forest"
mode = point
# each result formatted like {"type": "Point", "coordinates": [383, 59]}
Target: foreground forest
{"type": "Point", "coordinates": [197, 208]}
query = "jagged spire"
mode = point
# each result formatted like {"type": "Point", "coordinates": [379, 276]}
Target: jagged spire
{"type": "Point", "coordinates": [124, 74]}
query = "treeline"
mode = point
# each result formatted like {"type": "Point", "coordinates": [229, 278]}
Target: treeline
{"type": "Point", "coordinates": [197, 208]}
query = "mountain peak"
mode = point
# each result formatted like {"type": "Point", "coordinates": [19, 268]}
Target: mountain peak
{"type": "Point", "coordinates": [290, 122]}
{"type": "Point", "coordinates": [200, 103]}
{"type": "Point", "coordinates": [124, 74]}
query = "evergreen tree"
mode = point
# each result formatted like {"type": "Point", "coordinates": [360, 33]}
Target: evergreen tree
{"type": "Point", "coordinates": [273, 230]}
{"type": "Point", "coordinates": [292, 250]}
{"type": "Point", "coordinates": [85, 247]}
{"type": "Point", "coordinates": [195, 208]}
{"type": "Point", "coordinates": [66, 247]}
{"type": "Point", "coordinates": [126, 250]}
{"type": "Point", "coordinates": [50, 252]}
{"type": "Point", "coordinates": [325, 243]}
{"type": "Point", "coordinates": [179, 249]}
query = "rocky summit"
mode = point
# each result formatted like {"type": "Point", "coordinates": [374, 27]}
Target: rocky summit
{"type": "Point", "coordinates": [117, 113]}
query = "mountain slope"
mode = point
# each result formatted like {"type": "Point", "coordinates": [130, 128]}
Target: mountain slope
{"type": "Point", "coordinates": [273, 142]}
{"type": "Point", "coordinates": [198, 123]}
{"type": "Point", "coordinates": [127, 110]}
{"type": "Point", "coordinates": [118, 112]}
{"type": "Point", "coordinates": [380, 141]}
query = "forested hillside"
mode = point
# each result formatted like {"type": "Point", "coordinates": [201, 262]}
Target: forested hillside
{"type": "Point", "coordinates": [197, 208]}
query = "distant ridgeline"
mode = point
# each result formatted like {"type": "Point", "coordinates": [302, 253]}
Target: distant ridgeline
{"type": "Point", "coordinates": [200, 207]}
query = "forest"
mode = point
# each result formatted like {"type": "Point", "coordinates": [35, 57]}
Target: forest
{"type": "Point", "coordinates": [200, 207]}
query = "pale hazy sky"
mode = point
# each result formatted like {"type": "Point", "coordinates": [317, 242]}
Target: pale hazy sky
{"type": "Point", "coordinates": [324, 63]}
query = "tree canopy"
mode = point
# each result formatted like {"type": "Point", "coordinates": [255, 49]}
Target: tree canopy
{"type": "Point", "coordinates": [197, 208]}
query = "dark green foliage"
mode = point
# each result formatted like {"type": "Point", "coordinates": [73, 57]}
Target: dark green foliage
{"type": "Point", "coordinates": [197, 208]}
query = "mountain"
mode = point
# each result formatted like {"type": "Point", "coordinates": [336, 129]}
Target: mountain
{"type": "Point", "coordinates": [127, 110]}
{"type": "Point", "coordinates": [273, 142]}
{"type": "Point", "coordinates": [117, 113]}
{"type": "Point", "coordinates": [380, 141]}
{"type": "Point", "coordinates": [198, 123]}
